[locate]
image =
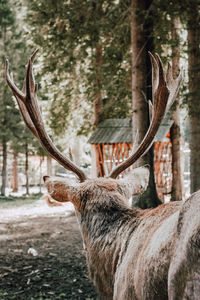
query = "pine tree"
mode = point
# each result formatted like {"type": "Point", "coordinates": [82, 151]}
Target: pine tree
{"type": "Point", "coordinates": [175, 132]}
{"type": "Point", "coordinates": [79, 32]}
{"type": "Point", "coordinates": [13, 47]}
{"type": "Point", "coordinates": [140, 27]}
{"type": "Point", "coordinates": [193, 27]}
{"type": "Point", "coordinates": [80, 49]}
{"type": "Point", "coordinates": [86, 59]}
{"type": "Point", "coordinates": [8, 113]}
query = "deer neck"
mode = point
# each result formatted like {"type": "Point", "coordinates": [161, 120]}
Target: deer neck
{"type": "Point", "coordinates": [103, 230]}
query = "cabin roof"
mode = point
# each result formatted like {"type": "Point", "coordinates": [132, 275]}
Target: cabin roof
{"type": "Point", "coordinates": [113, 131]}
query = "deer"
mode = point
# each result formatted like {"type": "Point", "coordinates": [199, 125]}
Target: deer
{"type": "Point", "coordinates": [151, 254]}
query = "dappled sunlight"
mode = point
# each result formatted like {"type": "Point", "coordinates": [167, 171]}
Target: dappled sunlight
{"type": "Point", "coordinates": [24, 216]}
{"type": "Point", "coordinates": [39, 245]}
{"type": "Point", "coordinates": [32, 210]}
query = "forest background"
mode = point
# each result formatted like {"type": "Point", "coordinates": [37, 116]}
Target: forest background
{"type": "Point", "coordinates": [94, 65]}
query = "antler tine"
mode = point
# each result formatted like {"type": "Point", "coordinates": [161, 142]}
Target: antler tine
{"type": "Point", "coordinates": [32, 116]}
{"type": "Point", "coordinates": [169, 75]}
{"type": "Point", "coordinates": [164, 93]}
{"type": "Point", "coordinates": [160, 70]}
{"type": "Point", "coordinates": [151, 110]}
{"type": "Point", "coordinates": [154, 65]}
{"type": "Point", "coordinates": [32, 58]}
{"type": "Point", "coordinates": [11, 84]}
{"type": "Point", "coordinates": [26, 117]}
{"type": "Point", "coordinates": [20, 97]}
{"type": "Point", "coordinates": [33, 86]}
{"type": "Point", "coordinates": [173, 85]}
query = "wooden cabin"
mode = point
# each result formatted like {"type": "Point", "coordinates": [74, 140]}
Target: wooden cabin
{"type": "Point", "coordinates": [112, 142]}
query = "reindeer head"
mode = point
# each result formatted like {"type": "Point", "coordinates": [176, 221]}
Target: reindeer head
{"type": "Point", "coordinates": [165, 89]}
{"type": "Point", "coordinates": [63, 191]}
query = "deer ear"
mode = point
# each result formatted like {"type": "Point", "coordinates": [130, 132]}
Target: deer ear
{"type": "Point", "coordinates": [136, 181]}
{"type": "Point", "coordinates": [62, 191]}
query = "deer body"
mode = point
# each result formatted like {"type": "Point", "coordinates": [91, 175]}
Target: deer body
{"type": "Point", "coordinates": [119, 241]}
{"type": "Point", "coordinates": [131, 254]}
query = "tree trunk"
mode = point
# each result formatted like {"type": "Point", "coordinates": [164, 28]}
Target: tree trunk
{"type": "Point", "coordinates": [97, 96]}
{"type": "Point", "coordinates": [15, 172]}
{"type": "Point", "coordinates": [175, 134]}
{"type": "Point", "coordinates": [4, 167]}
{"type": "Point", "coordinates": [194, 93]}
{"type": "Point", "coordinates": [26, 169]}
{"type": "Point", "coordinates": [40, 183]}
{"type": "Point", "coordinates": [49, 165]}
{"type": "Point", "coordinates": [140, 116]}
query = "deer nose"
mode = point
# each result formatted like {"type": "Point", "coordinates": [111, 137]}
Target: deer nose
{"type": "Point", "coordinates": [45, 178]}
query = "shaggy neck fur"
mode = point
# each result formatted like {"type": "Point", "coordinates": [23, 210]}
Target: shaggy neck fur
{"type": "Point", "coordinates": [104, 216]}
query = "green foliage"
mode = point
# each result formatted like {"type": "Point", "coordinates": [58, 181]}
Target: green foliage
{"type": "Point", "coordinates": [19, 199]}
{"type": "Point", "coordinates": [12, 128]}
{"type": "Point", "coordinates": [69, 34]}
{"type": "Point", "coordinates": [7, 17]}
{"type": "Point", "coordinates": [9, 115]}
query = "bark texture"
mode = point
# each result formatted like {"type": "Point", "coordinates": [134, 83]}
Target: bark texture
{"type": "Point", "coordinates": [49, 165]}
{"type": "Point", "coordinates": [177, 163]}
{"type": "Point", "coordinates": [26, 169]}
{"type": "Point", "coordinates": [194, 93]}
{"type": "Point", "coordinates": [97, 95]}
{"type": "Point", "coordinates": [15, 172]}
{"type": "Point", "coordinates": [140, 113]}
{"type": "Point", "coordinates": [4, 167]}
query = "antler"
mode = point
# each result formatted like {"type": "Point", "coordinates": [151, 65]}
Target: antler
{"type": "Point", "coordinates": [28, 105]}
{"type": "Point", "coordinates": [164, 91]}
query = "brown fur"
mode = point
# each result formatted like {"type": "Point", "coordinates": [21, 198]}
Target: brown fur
{"type": "Point", "coordinates": [135, 254]}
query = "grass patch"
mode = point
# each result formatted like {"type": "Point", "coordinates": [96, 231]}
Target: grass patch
{"type": "Point", "coordinates": [23, 197]}
{"type": "Point", "coordinates": [13, 201]}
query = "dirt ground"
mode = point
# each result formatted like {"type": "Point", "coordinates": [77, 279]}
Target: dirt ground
{"type": "Point", "coordinates": [58, 271]}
